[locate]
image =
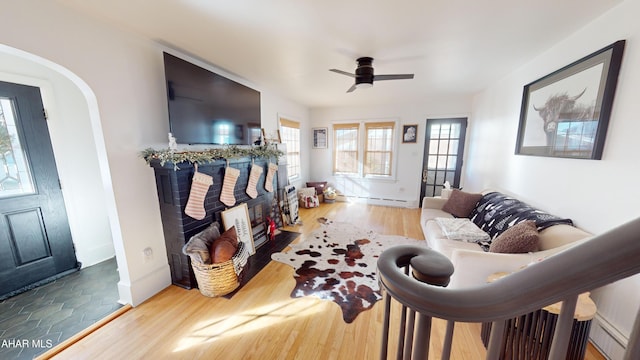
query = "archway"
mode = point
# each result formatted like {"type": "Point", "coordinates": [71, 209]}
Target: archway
{"type": "Point", "coordinates": [81, 156]}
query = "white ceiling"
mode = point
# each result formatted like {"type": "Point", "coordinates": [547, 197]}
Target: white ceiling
{"type": "Point", "coordinates": [454, 47]}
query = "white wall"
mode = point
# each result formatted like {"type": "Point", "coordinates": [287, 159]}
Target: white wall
{"type": "Point", "coordinates": [597, 195]}
{"type": "Point", "coordinates": [405, 189]}
{"type": "Point", "coordinates": [121, 78]}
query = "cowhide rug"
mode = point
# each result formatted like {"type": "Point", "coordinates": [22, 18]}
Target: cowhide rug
{"type": "Point", "coordinates": [338, 263]}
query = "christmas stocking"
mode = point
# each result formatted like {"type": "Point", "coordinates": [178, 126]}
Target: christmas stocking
{"type": "Point", "coordinates": [268, 184]}
{"type": "Point", "coordinates": [228, 185]}
{"type": "Point", "coordinates": [199, 187]}
{"type": "Point", "coordinates": [254, 175]}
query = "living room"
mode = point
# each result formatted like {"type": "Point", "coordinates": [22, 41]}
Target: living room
{"type": "Point", "coordinates": [114, 106]}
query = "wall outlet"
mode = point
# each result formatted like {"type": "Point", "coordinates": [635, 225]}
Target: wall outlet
{"type": "Point", "coordinates": [147, 253]}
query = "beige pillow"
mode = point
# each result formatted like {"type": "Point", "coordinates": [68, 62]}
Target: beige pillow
{"type": "Point", "coordinates": [520, 238]}
{"type": "Point", "coordinates": [460, 203]}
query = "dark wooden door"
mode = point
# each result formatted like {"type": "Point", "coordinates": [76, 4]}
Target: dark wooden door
{"type": "Point", "coordinates": [35, 240]}
{"type": "Point", "coordinates": [443, 152]}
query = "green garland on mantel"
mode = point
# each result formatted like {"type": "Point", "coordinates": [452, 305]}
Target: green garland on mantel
{"type": "Point", "coordinates": [208, 155]}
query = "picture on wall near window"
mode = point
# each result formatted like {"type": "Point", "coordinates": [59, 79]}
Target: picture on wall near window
{"type": "Point", "coordinates": [566, 113]}
{"type": "Point", "coordinates": [320, 138]}
{"type": "Point", "coordinates": [409, 134]}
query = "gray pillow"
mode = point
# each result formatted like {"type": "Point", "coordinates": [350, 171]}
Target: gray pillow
{"type": "Point", "coordinates": [460, 203]}
{"type": "Point", "coordinates": [198, 247]}
{"type": "Point", "coordinates": [520, 238]}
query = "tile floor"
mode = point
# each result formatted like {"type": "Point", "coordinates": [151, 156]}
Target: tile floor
{"type": "Point", "coordinates": [33, 322]}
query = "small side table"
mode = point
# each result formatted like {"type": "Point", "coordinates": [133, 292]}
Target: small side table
{"type": "Point", "coordinates": [529, 336]}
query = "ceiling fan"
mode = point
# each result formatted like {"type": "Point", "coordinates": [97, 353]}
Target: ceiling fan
{"type": "Point", "coordinates": [364, 74]}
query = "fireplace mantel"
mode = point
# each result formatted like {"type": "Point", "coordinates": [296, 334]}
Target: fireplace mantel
{"type": "Point", "coordinates": [173, 183]}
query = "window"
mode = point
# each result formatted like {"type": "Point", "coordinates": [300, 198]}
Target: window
{"type": "Point", "coordinates": [376, 147]}
{"type": "Point", "coordinates": [378, 151]}
{"type": "Point", "coordinates": [345, 140]}
{"type": "Point", "coordinates": [290, 135]}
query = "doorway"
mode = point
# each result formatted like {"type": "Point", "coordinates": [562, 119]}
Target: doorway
{"type": "Point", "coordinates": [35, 239]}
{"type": "Point", "coordinates": [443, 154]}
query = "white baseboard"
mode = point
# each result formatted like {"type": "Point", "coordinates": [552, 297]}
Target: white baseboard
{"type": "Point", "coordinates": [144, 288]}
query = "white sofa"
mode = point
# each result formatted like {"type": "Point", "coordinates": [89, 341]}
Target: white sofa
{"type": "Point", "coordinates": [473, 265]}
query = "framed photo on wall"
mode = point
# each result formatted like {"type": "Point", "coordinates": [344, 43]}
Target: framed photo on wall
{"type": "Point", "coordinates": [410, 134]}
{"type": "Point", "coordinates": [566, 113]}
{"type": "Point", "coordinates": [239, 217]}
{"type": "Point", "coordinates": [320, 138]}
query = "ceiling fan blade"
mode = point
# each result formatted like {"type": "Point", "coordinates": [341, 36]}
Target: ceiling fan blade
{"type": "Point", "coordinates": [353, 87]}
{"type": "Point", "coordinates": [342, 72]}
{"type": "Point", "coordinates": [392, 77]}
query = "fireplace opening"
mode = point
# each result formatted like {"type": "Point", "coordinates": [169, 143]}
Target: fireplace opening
{"type": "Point", "coordinates": [258, 211]}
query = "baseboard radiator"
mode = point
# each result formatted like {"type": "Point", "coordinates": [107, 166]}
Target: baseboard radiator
{"type": "Point", "coordinates": [608, 339]}
{"type": "Point", "coordinates": [377, 201]}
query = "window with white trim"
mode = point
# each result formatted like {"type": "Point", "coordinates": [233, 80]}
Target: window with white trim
{"type": "Point", "coordinates": [290, 135]}
{"type": "Point", "coordinates": [345, 148]}
{"type": "Point", "coordinates": [378, 150]}
{"type": "Point", "coordinates": [370, 155]}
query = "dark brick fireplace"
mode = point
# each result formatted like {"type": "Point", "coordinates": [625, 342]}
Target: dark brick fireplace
{"type": "Point", "coordinates": [173, 192]}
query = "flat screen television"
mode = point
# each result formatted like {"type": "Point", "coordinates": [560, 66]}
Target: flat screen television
{"type": "Point", "coordinates": [208, 108]}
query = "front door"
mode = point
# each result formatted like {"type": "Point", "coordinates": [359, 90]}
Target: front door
{"type": "Point", "coordinates": [35, 240]}
{"type": "Point", "coordinates": [443, 150]}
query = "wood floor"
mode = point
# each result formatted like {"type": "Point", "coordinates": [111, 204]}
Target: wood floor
{"type": "Point", "coordinates": [262, 321]}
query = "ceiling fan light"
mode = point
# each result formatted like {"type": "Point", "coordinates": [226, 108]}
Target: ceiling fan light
{"type": "Point", "coordinates": [364, 85]}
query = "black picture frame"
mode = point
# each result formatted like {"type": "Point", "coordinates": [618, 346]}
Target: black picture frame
{"type": "Point", "coordinates": [410, 134]}
{"type": "Point", "coordinates": [566, 113]}
{"type": "Point", "coordinates": [320, 138]}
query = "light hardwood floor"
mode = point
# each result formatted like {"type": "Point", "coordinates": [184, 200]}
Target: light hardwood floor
{"type": "Point", "coordinates": [262, 321]}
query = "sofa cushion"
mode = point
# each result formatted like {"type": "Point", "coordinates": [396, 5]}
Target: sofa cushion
{"type": "Point", "coordinates": [460, 203]}
{"type": "Point", "coordinates": [496, 212]}
{"type": "Point", "coordinates": [560, 235]}
{"type": "Point", "coordinates": [520, 238]}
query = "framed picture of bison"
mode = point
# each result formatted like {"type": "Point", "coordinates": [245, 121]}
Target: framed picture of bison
{"type": "Point", "coordinates": [566, 113]}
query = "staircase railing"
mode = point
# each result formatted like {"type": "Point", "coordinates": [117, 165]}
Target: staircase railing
{"type": "Point", "coordinates": [599, 261]}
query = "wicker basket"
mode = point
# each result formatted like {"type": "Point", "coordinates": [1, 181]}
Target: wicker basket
{"type": "Point", "coordinates": [219, 279]}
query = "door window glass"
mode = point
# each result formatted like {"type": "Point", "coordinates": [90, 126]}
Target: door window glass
{"type": "Point", "coordinates": [443, 154]}
{"type": "Point", "coordinates": [15, 175]}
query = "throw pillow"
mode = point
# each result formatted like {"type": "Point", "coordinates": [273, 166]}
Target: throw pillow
{"type": "Point", "coordinates": [198, 247]}
{"type": "Point", "coordinates": [225, 246]}
{"type": "Point", "coordinates": [308, 202]}
{"type": "Point", "coordinates": [520, 238]}
{"type": "Point", "coordinates": [460, 203]}
{"type": "Point", "coordinates": [224, 251]}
